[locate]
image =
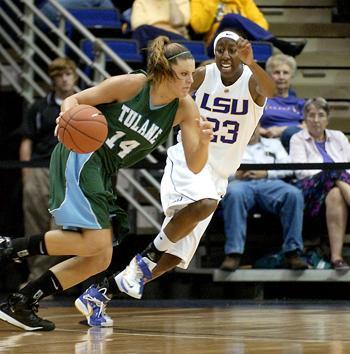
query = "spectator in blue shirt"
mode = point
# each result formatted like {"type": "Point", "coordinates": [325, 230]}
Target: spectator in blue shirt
{"type": "Point", "coordinates": [283, 114]}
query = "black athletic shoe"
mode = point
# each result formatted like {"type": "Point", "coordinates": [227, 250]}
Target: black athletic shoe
{"type": "Point", "coordinates": [18, 312]}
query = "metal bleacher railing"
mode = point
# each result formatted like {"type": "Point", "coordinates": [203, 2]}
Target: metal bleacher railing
{"type": "Point", "coordinates": [20, 58]}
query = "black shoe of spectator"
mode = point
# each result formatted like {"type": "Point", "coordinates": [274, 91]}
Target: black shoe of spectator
{"type": "Point", "coordinates": [20, 313]}
{"type": "Point", "coordinates": [289, 48]}
{"type": "Point", "coordinates": [231, 262]}
{"type": "Point", "coordinates": [293, 261]}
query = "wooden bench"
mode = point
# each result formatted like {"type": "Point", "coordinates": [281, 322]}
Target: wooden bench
{"type": "Point", "coordinates": [281, 275]}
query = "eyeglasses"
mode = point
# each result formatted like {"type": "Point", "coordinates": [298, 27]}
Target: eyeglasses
{"type": "Point", "coordinates": [319, 115]}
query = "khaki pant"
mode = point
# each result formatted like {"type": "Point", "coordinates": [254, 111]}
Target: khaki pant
{"type": "Point", "coordinates": [37, 219]}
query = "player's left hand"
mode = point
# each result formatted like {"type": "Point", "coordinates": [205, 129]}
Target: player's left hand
{"type": "Point", "coordinates": [57, 124]}
{"type": "Point", "coordinates": [245, 51]}
{"type": "Point", "coordinates": [206, 130]}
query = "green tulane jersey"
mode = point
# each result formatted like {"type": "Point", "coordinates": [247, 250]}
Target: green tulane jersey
{"type": "Point", "coordinates": [134, 129]}
{"type": "Point", "coordinates": [81, 193]}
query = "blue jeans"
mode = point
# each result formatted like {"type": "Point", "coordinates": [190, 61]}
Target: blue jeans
{"type": "Point", "coordinates": [271, 195]}
{"type": "Point", "coordinates": [145, 33]}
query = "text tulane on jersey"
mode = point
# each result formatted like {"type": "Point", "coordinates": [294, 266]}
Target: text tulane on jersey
{"type": "Point", "coordinates": [132, 119]}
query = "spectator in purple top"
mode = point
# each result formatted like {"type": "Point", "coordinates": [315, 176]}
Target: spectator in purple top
{"type": "Point", "coordinates": [324, 189]}
{"type": "Point", "coordinates": [283, 114]}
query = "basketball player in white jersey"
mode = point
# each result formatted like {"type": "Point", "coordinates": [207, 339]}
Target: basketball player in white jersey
{"type": "Point", "coordinates": [230, 93]}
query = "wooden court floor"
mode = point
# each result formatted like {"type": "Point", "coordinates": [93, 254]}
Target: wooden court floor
{"type": "Point", "coordinates": [306, 329]}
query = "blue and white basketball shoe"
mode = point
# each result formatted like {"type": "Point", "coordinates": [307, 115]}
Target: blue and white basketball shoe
{"type": "Point", "coordinates": [132, 279]}
{"type": "Point", "coordinates": [92, 304]}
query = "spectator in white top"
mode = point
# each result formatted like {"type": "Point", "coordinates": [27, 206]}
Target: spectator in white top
{"type": "Point", "coordinates": [324, 190]}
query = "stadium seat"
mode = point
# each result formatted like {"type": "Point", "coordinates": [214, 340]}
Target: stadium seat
{"type": "Point", "coordinates": [197, 48]}
{"type": "Point", "coordinates": [127, 49]}
{"type": "Point", "coordinates": [95, 18]}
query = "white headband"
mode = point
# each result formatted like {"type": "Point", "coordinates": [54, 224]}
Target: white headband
{"type": "Point", "coordinates": [226, 34]}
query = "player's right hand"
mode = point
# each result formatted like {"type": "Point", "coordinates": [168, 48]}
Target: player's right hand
{"type": "Point", "coordinates": [206, 130]}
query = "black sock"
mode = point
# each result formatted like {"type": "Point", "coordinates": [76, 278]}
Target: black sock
{"type": "Point", "coordinates": [46, 285]}
{"type": "Point", "coordinates": [29, 246]}
{"type": "Point", "coordinates": [152, 253]}
{"type": "Point", "coordinates": [110, 284]}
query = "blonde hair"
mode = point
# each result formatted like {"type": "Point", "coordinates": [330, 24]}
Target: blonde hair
{"type": "Point", "coordinates": [161, 54]}
{"type": "Point", "coordinates": [280, 59]}
{"type": "Point", "coordinates": [60, 65]}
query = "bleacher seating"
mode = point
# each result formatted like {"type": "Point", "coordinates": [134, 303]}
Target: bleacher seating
{"type": "Point", "coordinates": [96, 18]}
{"type": "Point", "coordinates": [197, 48]}
{"type": "Point", "coordinates": [127, 49]}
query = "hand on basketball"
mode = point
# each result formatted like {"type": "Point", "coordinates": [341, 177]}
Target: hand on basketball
{"type": "Point", "coordinates": [245, 51]}
{"type": "Point", "coordinates": [206, 130]}
{"type": "Point", "coordinates": [57, 125]}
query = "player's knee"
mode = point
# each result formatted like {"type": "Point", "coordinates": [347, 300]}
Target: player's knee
{"type": "Point", "coordinates": [97, 242]}
{"type": "Point", "coordinates": [103, 260]}
{"type": "Point", "coordinates": [203, 208]}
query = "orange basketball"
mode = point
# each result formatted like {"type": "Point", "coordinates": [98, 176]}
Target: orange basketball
{"type": "Point", "coordinates": [82, 129]}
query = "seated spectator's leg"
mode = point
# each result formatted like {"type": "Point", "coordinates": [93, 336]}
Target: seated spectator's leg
{"type": "Point", "coordinates": [254, 32]}
{"type": "Point", "coordinates": [336, 216]}
{"type": "Point", "coordinates": [285, 200]}
{"type": "Point", "coordinates": [245, 26]}
{"type": "Point", "coordinates": [238, 200]}
{"type": "Point", "coordinates": [146, 33]}
{"type": "Point", "coordinates": [287, 134]}
{"type": "Point", "coordinates": [344, 185]}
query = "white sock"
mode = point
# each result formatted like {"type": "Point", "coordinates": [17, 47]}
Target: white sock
{"type": "Point", "coordinates": [162, 243]}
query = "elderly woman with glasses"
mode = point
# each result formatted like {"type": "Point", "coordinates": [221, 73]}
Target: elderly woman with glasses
{"type": "Point", "coordinates": [324, 189]}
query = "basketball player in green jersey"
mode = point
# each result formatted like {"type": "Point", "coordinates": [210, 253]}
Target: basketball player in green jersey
{"type": "Point", "coordinates": [141, 111]}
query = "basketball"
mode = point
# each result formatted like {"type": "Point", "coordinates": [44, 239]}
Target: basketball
{"type": "Point", "coordinates": [82, 129]}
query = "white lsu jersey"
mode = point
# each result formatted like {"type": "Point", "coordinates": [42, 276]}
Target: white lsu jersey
{"type": "Point", "coordinates": [234, 115]}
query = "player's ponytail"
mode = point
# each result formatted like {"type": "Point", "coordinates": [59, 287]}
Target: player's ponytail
{"type": "Point", "coordinates": [161, 54]}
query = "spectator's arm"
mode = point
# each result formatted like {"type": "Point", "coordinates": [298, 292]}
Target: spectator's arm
{"type": "Point", "coordinates": [346, 145]}
{"type": "Point", "coordinates": [179, 12]}
{"type": "Point", "coordinates": [274, 132]}
{"type": "Point", "coordinates": [255, 15]}
{"type": "Point", "coordinates": [25, 149]}
{"type": "Point", "coordinates": [25, 153]}
{"type": "Point", "coordinates": [203, 15]}
{"type": "Point", "coordinates": [297, 153]}
{"type": "Point", "coordinates": [281, 157]}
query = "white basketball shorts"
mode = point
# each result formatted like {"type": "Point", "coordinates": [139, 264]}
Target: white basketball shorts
{"type": "Point", "coordinates": [180, 187]}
